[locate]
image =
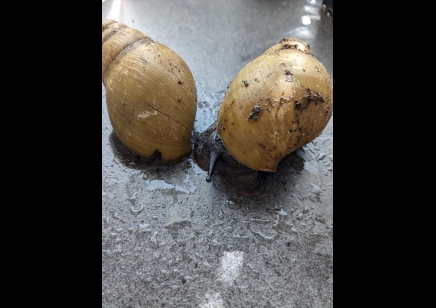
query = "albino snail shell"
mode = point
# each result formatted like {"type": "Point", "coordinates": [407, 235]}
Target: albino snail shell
{"type": "Point", "coordinates": [150, 94]}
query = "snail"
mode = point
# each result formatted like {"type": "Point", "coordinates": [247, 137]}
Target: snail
{"type": "Point", "coordinates": [151, 95]}
{"type": "Point", "coordinates": [276, 104]}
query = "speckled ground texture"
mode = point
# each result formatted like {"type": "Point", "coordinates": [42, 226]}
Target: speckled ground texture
{"type": "Point", "coordinates": [171, 239]}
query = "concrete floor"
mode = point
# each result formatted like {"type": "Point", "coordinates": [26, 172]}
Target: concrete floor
{"type": "Point", "coordinates": [171, 239]}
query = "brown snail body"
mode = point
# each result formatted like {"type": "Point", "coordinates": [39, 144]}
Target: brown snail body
{"type": "Point", "coordinates": [277, 103]}
{"type": "Point", "coordinates": [151, 95]}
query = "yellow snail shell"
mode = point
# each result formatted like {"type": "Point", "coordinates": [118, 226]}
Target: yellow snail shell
{"type": "Point", "coordinates": [151, 95]}
{"type": "Point", "coordinates": [277, 103]}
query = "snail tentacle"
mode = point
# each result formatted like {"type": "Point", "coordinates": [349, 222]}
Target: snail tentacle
{"type": "Point", "coordinates": [215, 154]}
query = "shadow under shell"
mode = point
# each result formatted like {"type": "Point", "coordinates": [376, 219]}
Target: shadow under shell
{"type": "Point", "coordinates": [130, 159]}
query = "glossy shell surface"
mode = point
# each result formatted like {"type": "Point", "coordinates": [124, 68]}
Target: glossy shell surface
{"type": "Point", "coordinates": [150, 94]}
{"type": "Point", "coordinates": [277, 103]}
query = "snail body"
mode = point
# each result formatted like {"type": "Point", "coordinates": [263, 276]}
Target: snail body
{"type": "Point", "coordinates": [151, 95]}
{"type": "Point", "coordinates": [277, 103]}
{"type": "Point", "coordinates": [211, 155]}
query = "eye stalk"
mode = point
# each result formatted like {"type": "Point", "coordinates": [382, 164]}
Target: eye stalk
{"type": "Point", "coordinates": [211, 155]}
{"type": "Point", "coordinates": [215, 154]}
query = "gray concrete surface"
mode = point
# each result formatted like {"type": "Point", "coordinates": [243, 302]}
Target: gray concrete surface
{"type": "Point", "coordinates": [169, 238]}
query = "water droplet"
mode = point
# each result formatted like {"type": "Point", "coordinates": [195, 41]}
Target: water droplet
{"type": "Point", "coordinates": [282, 213]}
{"type": "Point", "coordinates": [162, 185]}
{"type": "Point", "coordinates": [320, 156]}
{"type": "Point", "coordinates": [153, 237]}
{"type": "Point", "coordinates": [143, 228]}
{"type": "Point", "coordinates": [252, 267]}
{"type": "Point", "coordinates": [259, 220]}
{"type": "Point", "coordinates": [276, 222]}
{"type": "Point", "coordinates": [240, 236]}
{"type": "Point", "coordinates": [117, 249]}
{"type": "Point", "coordinates": [221, 214]}
{"type": "Point", "coordinates": [134, 195]}
{"type": "Point", "coordinates": [267, 237]}
{"type": "Point", "coordinates": [316, 189]}
{"type": "Point", "coordinates": [138, 210]}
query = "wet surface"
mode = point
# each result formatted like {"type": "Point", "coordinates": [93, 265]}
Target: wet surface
{"type": "Point", "coordinates": [171, 239]}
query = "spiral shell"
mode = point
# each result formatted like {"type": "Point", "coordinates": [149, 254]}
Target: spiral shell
{"type": "Point", "coordinates": [277, 103]}
{"type": "Point", "coordinates": [151, 95]}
